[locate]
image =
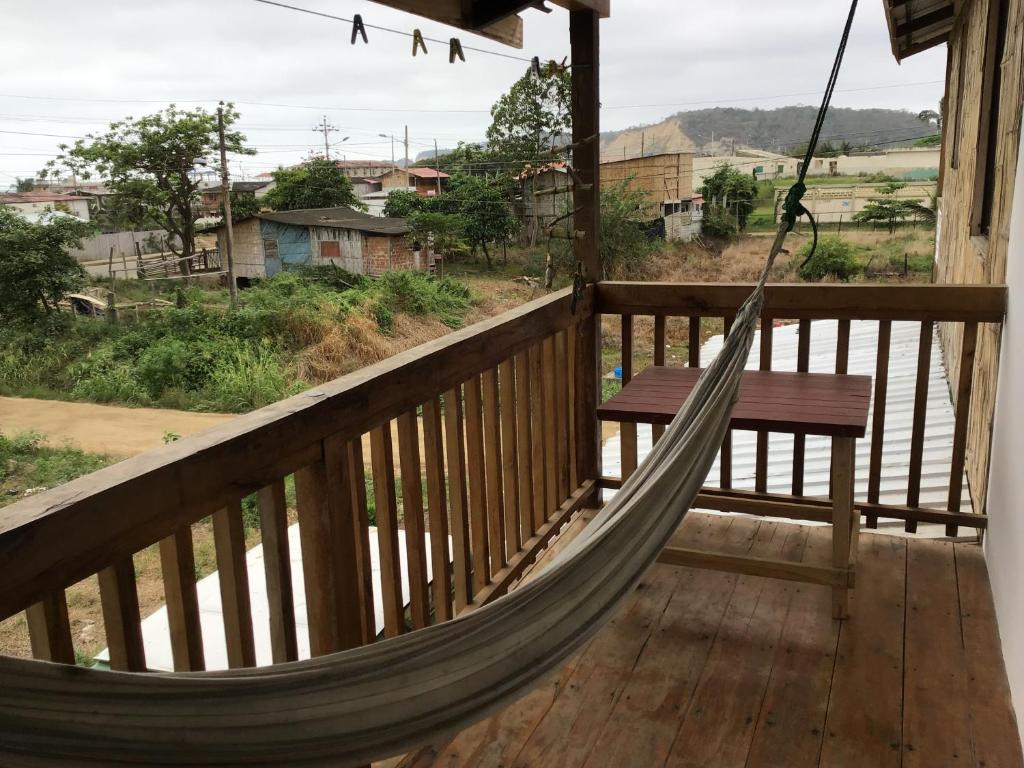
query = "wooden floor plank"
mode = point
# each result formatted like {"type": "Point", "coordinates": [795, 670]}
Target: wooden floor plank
{"type": "Point", "coordinates": [645, 719]}
{"type": "Point", "coordinates": [991, 715]}
{"type": "Point", "coordinates": [863, 725]}
{"type": "Point", "coordinates": [936, 729]}
{"type": "Point", "coordinates": [792, 718]}
{"type": "Point", "coordinates": [718, 725]}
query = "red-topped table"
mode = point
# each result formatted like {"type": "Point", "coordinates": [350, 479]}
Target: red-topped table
{"type": "Point", "coordinates": [833, 405]}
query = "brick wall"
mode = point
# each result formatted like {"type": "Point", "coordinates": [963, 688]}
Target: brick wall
{"type": "Point", "coordinates": [378, 258]}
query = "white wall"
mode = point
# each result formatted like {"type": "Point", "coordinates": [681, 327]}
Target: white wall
{"type": "Point", "coordinates": [1004, 542]}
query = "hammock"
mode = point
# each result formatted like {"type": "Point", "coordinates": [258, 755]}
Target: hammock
{"type": "Point", "coordinates": [355, 706]}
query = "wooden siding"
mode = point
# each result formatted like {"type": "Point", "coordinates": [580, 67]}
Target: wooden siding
{"type": "Point", "coordinates": [248, 248]}
{"type": "Point", "coordinates": [962, 258]}
{"type": "Point", "coordinates": [662, 178]}
{"type": "Point", "coordinates": [350, 247]}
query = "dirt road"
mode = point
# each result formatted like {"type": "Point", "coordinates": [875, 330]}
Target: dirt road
{"type": "Point", "coordinates": [108, 429]}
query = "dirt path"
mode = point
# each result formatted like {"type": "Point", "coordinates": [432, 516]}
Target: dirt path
{"type": "Point", "coordinates": [109, 429]}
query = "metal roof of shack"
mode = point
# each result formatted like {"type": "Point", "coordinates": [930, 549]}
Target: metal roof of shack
{"type": "Point", "coordinates": [339, 218]}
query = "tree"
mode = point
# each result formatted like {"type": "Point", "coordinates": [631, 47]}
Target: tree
{"type": "Point", "coordinates": [892, 210]}
{"type": "Point", "coordinates": [36, 271]}
{"type": "Point", "coordinates": [625, 244]}
{"type": "Point", "coordinates": [315, 184]}
{"type": "Point", "coordinates": [243, 205]}
{"type": "Point", "coordinates": [403, 203]}
{"type": "Point", "coordinates": [156, 160]}
{"type": "Point", "coordinates": [484, 206]}
{"type": "Point", "coordinates": [444, 231]}
{"type": "Point", "coordinates": [930, 116]}
{"type": "Point", "coordinates": [532, 115]}
{"type": "Point", "coordinates": [729, 191]}
{"type": "Point", "coordinates": [24, 185]}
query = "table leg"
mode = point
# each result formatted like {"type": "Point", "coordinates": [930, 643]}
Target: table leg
{"type": "Point", "coordinates": [843, 524]}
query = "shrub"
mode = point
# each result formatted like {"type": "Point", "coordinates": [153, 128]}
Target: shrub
{"type": "Point", "coordinates": [833, 257]}
{"type": "Point", "coordinates": [718, 223]}
{"type": "Point", "coordinates": [247, 379]}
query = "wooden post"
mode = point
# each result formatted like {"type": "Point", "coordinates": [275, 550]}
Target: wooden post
{"type": "Point", "coordinates": [225, 188]}
{"type": "Point", "coordinates": [583, 36]}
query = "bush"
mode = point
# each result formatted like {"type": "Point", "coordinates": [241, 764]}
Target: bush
{"type": "Point", "coordinates": [833, 257]}
{"type": "Point", "coordinates": [718, 223]}
{"type": "Point", "coordinates": [248, 379]}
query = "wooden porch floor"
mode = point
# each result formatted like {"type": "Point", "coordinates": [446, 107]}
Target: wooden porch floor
{"type": "Point", "coordinates": [708, 669]}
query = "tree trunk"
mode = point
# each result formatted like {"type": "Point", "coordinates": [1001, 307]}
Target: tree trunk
{"type": "Point", "coordinates": [487, 255]}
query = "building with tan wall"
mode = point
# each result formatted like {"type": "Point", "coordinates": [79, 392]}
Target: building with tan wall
{"type": "Point", "coordinates": [666, 180]}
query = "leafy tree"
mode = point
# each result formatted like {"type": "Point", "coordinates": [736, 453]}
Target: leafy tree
{"type": "Point", "coordinates": [243, 205]}
{"type": "Point", "coordinates": [729, 191]}
{"type": "Point", "coordinates": [484, 206]}
{"type": "Point", "coordinates": [625, 244]}
{"type": "Point", "coordinates": [403, 203]}
{"type": "Point", "coordinates": [36, 271]}
{"type": "Point", "coordinates": [444, 231]}
{"type": "Point", "coordinates": [534, 113]}
{"type": "Point", "coordinates": [127, 210]}
{"type": "Point", "coordinates": [155, 160]}
{"type": "Point", "coordinates": [471, 158]}
{"type": "Point", "coordinates": [892, 210]}
{"type": "Point", "coordinates": [24, 185]}
{"type": "Point", "coordinates": [315, 184]}
{"type": "Point", "coordinates": [930, 116]}
{"type": "Point", "coordinates": [832, 257]}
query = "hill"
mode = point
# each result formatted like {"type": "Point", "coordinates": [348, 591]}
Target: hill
{"type": "Point", "coordinates": [717, 129]}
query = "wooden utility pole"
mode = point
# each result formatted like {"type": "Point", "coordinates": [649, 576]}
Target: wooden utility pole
{"type": "Point", "coordinates": [225, 188]}
{"type": "Point", "coordinates": [407, 153]}
{"type": "Point", "coordinates": [641, 143]}
{"type": "Point", "coordinates": [326, 130]}
{"type": "Point", "coordinates": [583, 38]}
{"type": "Point", "coordinates": [437, 168]}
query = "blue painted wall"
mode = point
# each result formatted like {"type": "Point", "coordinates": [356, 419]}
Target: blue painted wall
{"type": "Point", "coordinates": [292, 245]}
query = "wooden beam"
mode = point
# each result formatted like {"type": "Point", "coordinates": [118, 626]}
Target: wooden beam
{"type": "Point", "coordinates": [757, 566]}
{"type": "Point", "coordinates": [924, 21]}
{"type": "Point", "coordinates": [507, 30]}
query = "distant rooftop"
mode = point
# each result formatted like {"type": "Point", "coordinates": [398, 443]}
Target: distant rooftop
{"type": "Point", "coordinates": [342, 218]}
{"type": "Point", "coordinates": [424, 173]}
{"type": "Point", "coordinates": [13, 198]}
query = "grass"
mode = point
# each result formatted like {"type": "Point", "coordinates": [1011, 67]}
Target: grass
{"type": "Point", "coordinates": [28, 466]}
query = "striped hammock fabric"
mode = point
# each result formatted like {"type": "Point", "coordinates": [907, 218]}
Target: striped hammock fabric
{"type": "Point", "coordinates": [383, 699]}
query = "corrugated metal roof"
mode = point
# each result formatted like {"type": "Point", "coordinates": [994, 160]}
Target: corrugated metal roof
{"type": "Point", "coordinates": [939, 419]}
{"type": "Point", "coordinates": [341, 218]}
{"type": "Point", "coordinates": [917, 25]}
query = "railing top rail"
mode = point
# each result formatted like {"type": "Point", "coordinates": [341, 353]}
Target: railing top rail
{"type": "Point", "coordinates": [977, 303]}
{"type": "Point", "coordinates": [57, 537]}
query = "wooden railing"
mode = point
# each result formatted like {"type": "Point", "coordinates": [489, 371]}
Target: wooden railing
{"type": "Point", "coordinates": [486, 422]}
{"type": "Point", "coordinates": [926, 304]}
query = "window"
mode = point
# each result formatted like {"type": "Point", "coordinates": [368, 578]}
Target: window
{"type": "Point", "coordinates": [270, 249]}
{"type": "Point", "coordinates": [330, 249]}
{"type": "Point", "coordinates": [985, 167]}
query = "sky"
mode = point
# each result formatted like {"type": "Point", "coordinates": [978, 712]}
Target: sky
{"type": "Point", "coordinates": [70, 68]}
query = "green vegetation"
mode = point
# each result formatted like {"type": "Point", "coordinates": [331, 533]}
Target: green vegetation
{"type": "Point", "coordinates": [727, 193]}
{"type": "Point", "coordinates": [837, 258]}
{"type": "Point", "coordinates": [314, 184]}
{"type": "Point", "coordinates": [834, 257]}
{"type": "Point", "coordinates": [291, 331]}
{"type": "Point", "coordinates": [891, 210]}
{"type": "Point", "coordinates": [26, 464]}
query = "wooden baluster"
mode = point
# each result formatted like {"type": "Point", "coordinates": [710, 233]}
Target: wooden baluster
{"type": "Point", "coordinates": [277, 568]}
{"type": "Point", "coordinates": [477, 483]}
{"type": "Point", "coordinates": [233, 577]}
{"type": "Point", "coordinates": [437, 509]}
{"type": "Point", "coordinates": [761, 462]}
{"type": "Point", "coordinates": [725, 457]}
{"type": "Point", "coordinates": [49, 630]}
{"type": "Point", "coordinates": [361, 526]}
{"type": "Point", "coordinates": [315, 539]}
{"type": "Point", "coordinates": [492, 467]}
{"type": "Point", "coordinates": [524, 443]}
{"type": "Point", "coordinates": [572, 404]}
{"type": "Point", "coordinates": [349, 601]}
{"type": "Point", "coordinates": [509, 467]}
{"type": "Point", "coordinates": [963, 410]}
{"type": "Point", "coordinates": [121, 620]}
{"type": "Point", "coordinates": [693, 346]}
{"type": "Point", "coordinates": [383, 463]}
{"type": "Point", "coordinates": [842, 365]}
{"type": "Point", "coordinates": [455, 454]}
{"type": "Point", "coordinates": [627, 430]}
{"type": "Point", "coordinates": [550, 426]}
{"type": "Point", "coordinates": [878, 417]}
{"type": "Point", "coordinates": [657, 430]}
{"type": "Point", "coordinates": [177, 561]}
{"type": "Point", "coordinates": [538, 420]}
{"type": "Point", "coordinates": [562, 414]}
{"type": "Point", "coordinates": [803, 358]}
{"type": "Point", "coordinates": [924, 356]}
{"type": "Point", "coordinates": [412, 507]}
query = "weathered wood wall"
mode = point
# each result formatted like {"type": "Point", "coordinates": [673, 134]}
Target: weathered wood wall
{"type": "Point", "coordinates": [663, 178]}
{"type": "Point", "coordinates": [961, 257]}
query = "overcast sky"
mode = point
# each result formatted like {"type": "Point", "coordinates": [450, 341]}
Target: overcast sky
{"type": "Point", "coordinates": [85, 64]}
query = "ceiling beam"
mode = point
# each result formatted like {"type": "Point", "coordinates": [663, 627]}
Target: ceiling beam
{"type": "Point", "coordinates": [922, 22]}
{"type": "Point", "coordinates": [482, 13]}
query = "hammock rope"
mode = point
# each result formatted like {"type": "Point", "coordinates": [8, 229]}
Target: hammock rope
{"type": "Point", "coordinates": [352, 707]}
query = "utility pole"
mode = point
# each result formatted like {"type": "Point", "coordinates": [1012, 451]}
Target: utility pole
{"type": "Point", "coordinates": [407, 146]}
{"type": "Point", "coordinates": [325, 129]}
{"type": "Point", "coordinates": [437, 168]}
{"type": "Point", "coordinates": [641, 143]}
{"type": "Point", "coordinates": [225, 187]}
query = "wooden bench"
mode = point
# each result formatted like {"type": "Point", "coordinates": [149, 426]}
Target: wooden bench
{"type": "Point", "coordinates": [771, 401]}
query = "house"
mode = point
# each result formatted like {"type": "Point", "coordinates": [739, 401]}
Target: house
{"type": "Point", "coordinates": [422, 181]}
{"type": "Point", "coordinates": [761, 164]}
{"type": "Point", "coordinates": [210, 198]}
{"type": "Point", "coordinates": [839, 203]}
{"type": "Point", "coordinates": [665, 179]}
{"type": "Point", "coordinates": [702, 652]}
{"type": "Point", "coordinates": [33, 204]}
{"type": "Point", "coordinates": [359, 169]}
{"type": "Point", "coordinates": [364, 186]}
{"type": "Point", "coordinates": [544, 197]}
{"type": "Point", "coordinates": [905, 163]}
{"type": "Point", "coordinates": [368, 245]}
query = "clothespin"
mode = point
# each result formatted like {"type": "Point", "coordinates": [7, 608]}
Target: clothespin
{"type": "Point", "coordinates": [455, 49]}
{"type": "Point", "coordinates": [535, 67]}
{"type": "Point", "coordinates": [417, 42]}
{"type": "Point", "coordinates": [358, 29]}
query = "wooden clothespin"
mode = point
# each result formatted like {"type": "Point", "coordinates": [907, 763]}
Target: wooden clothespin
{"type": "Point", "coordinates": [455, 49]}
{"type": "Point", "coordinates": [358, 29]}
{"type": "Point", "coordinates": [417, 42]}
{"type": "Point", "coordinates": [535, 67]}
{"type": "Point", "coordinates": [553, 67]}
